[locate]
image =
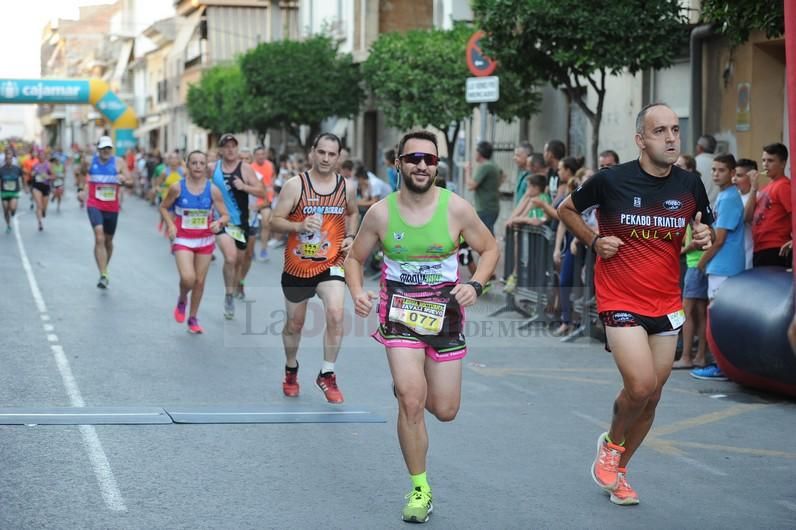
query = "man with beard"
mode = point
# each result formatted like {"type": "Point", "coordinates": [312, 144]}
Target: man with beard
{"type": "Point", "coordinates": [318, 211]}
{"type": "Point", "coordinates": [644, 207]}
{"type": "Point", "coordinates": [421, 301]}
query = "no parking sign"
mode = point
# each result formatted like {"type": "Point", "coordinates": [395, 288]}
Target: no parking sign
{"type": "Point", "coordinates": [479, 64]}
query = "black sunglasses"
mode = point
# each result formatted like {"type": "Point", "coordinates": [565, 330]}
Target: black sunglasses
{"type": "Point", "coordinates": [416, 158]}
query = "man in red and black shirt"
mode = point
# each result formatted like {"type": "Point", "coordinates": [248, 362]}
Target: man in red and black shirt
{"type": "Point", "coordinates": [644, 208]}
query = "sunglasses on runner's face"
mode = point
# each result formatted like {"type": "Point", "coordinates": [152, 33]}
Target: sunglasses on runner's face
{"type": "Point", "coordinates": [415, 158]}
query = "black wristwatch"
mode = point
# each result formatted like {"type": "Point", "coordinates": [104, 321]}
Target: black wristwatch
{"type": "Point", "coordinates": [477, 286]}
{"type": "Point", "coordinates": [594, 241]}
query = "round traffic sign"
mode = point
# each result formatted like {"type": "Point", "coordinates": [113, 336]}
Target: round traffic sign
{"type": "Point", "coordinates": [479, 64]}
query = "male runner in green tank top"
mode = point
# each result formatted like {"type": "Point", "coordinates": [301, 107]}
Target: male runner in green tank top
{"type": "Point", "coordinates": [421, 301]}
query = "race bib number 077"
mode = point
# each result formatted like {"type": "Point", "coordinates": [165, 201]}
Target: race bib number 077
{"type": "Point", "coordinates": [424, 318]}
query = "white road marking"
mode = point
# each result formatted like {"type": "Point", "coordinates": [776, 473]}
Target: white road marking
{"type": "Point", "coordinates": [72, 390]}
{"type": "Point", "coordinates": [700, 465]}
{"type": "Point", "coordinates": [49, 327]}
{"type": "Point", "coordinates": [102, 469]}
{"type": "Point", "coordinates": [99, 461]}
{"type": "Point", "coordinates": [519, 388]}
{"type": "Point", "coordinates": [591, 419]}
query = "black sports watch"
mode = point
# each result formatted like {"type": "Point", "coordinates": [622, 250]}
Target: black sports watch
{"type": "Point", "coordinates": [477, 286]}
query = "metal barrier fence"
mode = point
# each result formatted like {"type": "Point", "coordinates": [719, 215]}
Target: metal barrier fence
{"type": "Point", "coordinates": [529, 255]}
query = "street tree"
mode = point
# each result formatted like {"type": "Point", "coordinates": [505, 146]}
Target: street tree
{"type": "Point", "coordinates": [221, 103]}
{"type": "Point", "coordinates": [218, 100]}
{"type": "Point", "coordinates": [418, 79]}
{"type": "Point", "coordinates": [736, 19]}
{"type": "Point", "coordinates": [576, 45]}
{"type": "Point", "coordinates": [307, 81]}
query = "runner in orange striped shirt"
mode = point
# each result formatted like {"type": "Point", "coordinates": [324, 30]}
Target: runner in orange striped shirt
{"type": "Point", "coordinates": [319, 212]}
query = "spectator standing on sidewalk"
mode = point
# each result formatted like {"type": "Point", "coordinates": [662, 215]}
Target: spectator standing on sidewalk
{"type": "Point", "coordinates": [393, 178]}
{"type": "Point", "coordinates": [706, 146]}
{"type": "Point", "coordinates": [607, 158]}
{"type": "Point", "coordinates": [726, 257]}
{"type": "Point", "coordinates": [484, 183]}
{"type": "Point", "coordinates": [695, 293]}
{"type": "Point", "coordinates": [522, 156]}
{"type": "Point", "coordinates": [771, 224]}
{"type": "Point", "coordinates": [746, 182]}
{"type": "Point", "coordinates": [554, 151]}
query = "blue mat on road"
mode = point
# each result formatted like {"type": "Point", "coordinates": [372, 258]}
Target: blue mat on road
{"type": "Point", "coordinates": [84, 416]}
{"type": "Point", "coordinates": [183, 414]}
{"type": "Point", "coordinates": [271, 414]}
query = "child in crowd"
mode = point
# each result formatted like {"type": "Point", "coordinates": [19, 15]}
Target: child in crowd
{"type": "Point", "coordinates": [526, 213]}
{"type": "Point", "coordinates": [727, 256]}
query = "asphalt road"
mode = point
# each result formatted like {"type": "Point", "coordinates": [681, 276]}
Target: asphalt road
{"type": "Point", "coordinates": [517, 455]}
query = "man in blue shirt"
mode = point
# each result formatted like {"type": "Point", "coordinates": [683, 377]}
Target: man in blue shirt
{"type": "Point", "coordinates": [393, 179]}
{"type": "Point", "coordinates": [727, 256]}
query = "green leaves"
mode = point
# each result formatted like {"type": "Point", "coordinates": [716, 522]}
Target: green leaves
{"type": "Point", "coordinates": [568, 38]}
{"type": "Point", "coordinates": [284, 83]}
{"type": "Point", "coordinates": [306, 81]}
{"type": "Point", "coordinates": [218, 102]}
{"type": "Point", "coordinates": [419, 78]}
{"type": "Point", "coordinates": [738, 18]}
{"type": "Point", "coordinates": [574, 43]}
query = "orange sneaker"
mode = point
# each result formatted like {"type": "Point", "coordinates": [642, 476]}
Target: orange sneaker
{"type": "Point", "coordinates": [327, 383]}
{"type": "Point", "coordinates": [290, 385]}
{"type": "Point", "coordinates": [623, 494]}
{"type": "Point", "coordinates": [605, 467]}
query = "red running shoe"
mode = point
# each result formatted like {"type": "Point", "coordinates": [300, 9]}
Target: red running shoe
{"type": "Point", "coordinates": [327, 383]}
{"type": "Point", "coordinates": [290, 385]}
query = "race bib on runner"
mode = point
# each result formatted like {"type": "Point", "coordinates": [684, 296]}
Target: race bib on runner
{"type": "Point", "coordinates": [40, 177]}
{"type": "Point", "coordinates": [676, 319]}
{"type": "Point", "coordinates": [105, 193]}
{"type": "Point", "coordinates": [58, 183]}
{"type": "Point", "coordinates": [9, 185]}
{"type": "Point", "coordinates": [336, 271]}
{"type": "Point", "coordinates": [236, 233]}
{"type": "Point", "coordinates": [195, 219]}
{"type": "Point", "coordinates": [424, 318]}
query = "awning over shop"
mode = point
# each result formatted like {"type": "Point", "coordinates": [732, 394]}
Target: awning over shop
{"type": "Point", "coordinates": [185, 28]}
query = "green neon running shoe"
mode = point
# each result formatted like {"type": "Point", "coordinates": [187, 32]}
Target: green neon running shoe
{"type": "Point", "coordinates": [418, 506]}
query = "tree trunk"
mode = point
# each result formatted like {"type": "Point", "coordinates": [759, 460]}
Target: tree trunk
{"type": "Point", "coordinates": [595, 138]}
{"type": "Point", "coordinates": [296, 134]}
{"type": "Point", "coordinates": [597, 119]}
{"type": "Point", "coordinates": [451, 155]}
